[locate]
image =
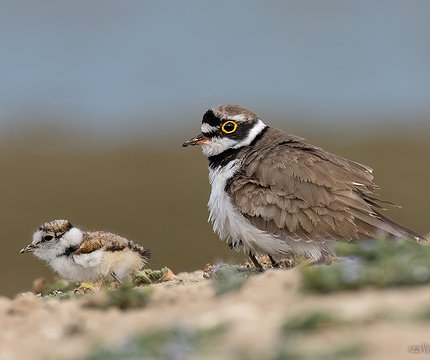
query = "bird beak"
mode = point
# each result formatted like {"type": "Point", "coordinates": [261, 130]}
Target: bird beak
{"type": "Point", "coordinates": [28, 249]}
{"type": "Point", "coordinates": [197, 140]}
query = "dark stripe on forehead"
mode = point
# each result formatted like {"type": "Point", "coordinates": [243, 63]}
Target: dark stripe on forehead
{"type": "Point", "coordinates": [210, 118]}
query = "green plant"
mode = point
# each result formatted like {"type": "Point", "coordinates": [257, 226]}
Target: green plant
{"type": "Point", "coordinates": [126, 296]}
{"type": "Point", "coordinates": [176, 343]}
{"type": "Point", "coordinates": [381, 263]}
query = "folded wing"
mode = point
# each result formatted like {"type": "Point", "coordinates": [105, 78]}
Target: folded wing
{"type": "Point", "coordinates": [300, 191]}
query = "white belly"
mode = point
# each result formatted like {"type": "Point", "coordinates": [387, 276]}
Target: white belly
{"type": "Point", "coordinates": [230, 224]}
{"type": "Point", "coordinates": [97, 265]}
{"type": "Point", "coordinates": [68, 269]}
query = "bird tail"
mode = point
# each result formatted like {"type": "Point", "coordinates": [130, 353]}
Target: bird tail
{"type": "Point", "coordinates": [145, 254]}
{"type": "Point", "coordinates": [405, 233]}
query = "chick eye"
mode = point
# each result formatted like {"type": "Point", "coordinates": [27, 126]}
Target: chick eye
{"type": "Point", "coordinates": [229, 127]}
{"type": "Point", "coordinates": [47, 238]}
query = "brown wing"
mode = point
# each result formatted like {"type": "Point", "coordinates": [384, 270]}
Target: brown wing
{"type": "Point", "coordinates": [96, 240]}
{"type": "Point", "coordinates": [294, 189]}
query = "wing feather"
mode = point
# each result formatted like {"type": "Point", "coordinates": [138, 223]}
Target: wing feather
{"type": "Point", "coordinates": [300, 191]}
{"type": "Point", "coordinates": [96, 240]}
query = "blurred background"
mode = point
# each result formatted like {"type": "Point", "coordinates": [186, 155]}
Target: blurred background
{"type": "Point", "coordinates": [96, 98]}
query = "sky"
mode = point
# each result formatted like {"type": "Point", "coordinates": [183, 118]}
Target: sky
{"type": "Point", "coordinates": [161, 64]}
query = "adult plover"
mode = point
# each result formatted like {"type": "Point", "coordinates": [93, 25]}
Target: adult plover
{"type": "Point", "coordinates": [273, 193]}
{"type": "Point", "coordinates": [78, 255]}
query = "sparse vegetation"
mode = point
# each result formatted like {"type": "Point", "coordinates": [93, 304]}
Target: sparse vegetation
{"type": "Point", "coordinates": [309, 323]}
{"type": "Point", "coordinates": [312, 321]}
{"type": "Point", "coordinates": [381, 263]}
{"type": "Point", "coordinates": [176, 344]}
{"type": "Point", "coordinates": [200, 331]}
{"type": "Point", "coordinates": [150, 276]}
{"type": "Point", "coordinates": [228, 278]}
{"type": "Point", "coordinates": [57, 287]}
{"type": "Point", "coordinates": [349, 351]}
{"type": "Point", "coordinates": [129, 294]}
{"type": "Point", "coordinates": [126, 296]}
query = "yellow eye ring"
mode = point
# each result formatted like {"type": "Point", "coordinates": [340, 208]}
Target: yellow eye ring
{"type": "Point", "coordinates": [227, 127]}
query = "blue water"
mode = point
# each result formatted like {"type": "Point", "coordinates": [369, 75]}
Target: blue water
{"type": "Point", "coordinates": [153, 63]}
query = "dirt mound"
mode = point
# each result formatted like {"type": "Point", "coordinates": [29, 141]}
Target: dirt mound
{"type": "Point", "coordinates": [262, 316]}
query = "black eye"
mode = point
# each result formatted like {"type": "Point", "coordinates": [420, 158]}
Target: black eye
{"type": "Point", "coordinates": [229, 127]}
{"type": "Point", "coordinates": [47, 238]}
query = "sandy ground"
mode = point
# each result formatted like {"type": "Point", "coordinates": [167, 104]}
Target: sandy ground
{"type": "Point", "coordinates": [371, 323]}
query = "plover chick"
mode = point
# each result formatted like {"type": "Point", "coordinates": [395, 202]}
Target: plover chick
{"type": "Point", "coordinates": [86, 256]}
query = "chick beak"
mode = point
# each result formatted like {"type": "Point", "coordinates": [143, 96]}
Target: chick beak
{"type": "Point", "coordinates": [28, 249]}
{"type": "Point", "coordinates": [197, 140]}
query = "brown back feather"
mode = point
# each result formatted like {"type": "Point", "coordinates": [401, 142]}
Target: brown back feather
{"type": "Point", "coordinates": [295, 189]}
{"type": "Point", "coordinates": [96, 240]}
